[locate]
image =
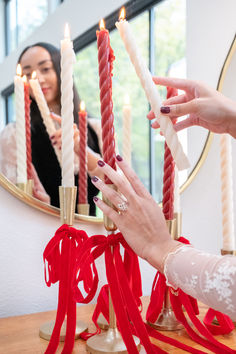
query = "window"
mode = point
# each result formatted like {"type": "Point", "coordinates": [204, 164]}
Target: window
{"type": "Point", "coordinates": [23, 17]}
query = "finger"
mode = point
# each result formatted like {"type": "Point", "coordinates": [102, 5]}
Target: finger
{"type": "Point", "coordinates": [119, 180]}
{"type": "Point", "coordinates": [107, 191]}
{"type": "Point", "coordinates": [108, 211]}
{"type": "Point", "coordinates": [151, 115]}
{"type": "Point", "coordinates": [132, 177]}
{"type": "Point", "coordinates": [175, 100]}
{"type": "Point", "coordinates": [181, 84]}
{"type": "Point", "coordinates": [55, 117]}
{"type": "Point", "coordinates": [181, 109]}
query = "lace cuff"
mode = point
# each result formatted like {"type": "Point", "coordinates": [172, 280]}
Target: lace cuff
{"type": "Point", "coordinates": [168, 260]}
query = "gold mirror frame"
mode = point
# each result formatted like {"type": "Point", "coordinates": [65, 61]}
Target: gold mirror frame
{"type": "Point", "coordinates": [46, 208]}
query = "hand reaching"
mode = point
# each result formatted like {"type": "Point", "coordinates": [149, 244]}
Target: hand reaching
{"type": "Point", "coordinates": [206, 107]}
{"type": "Point", "coordinates": [142, 224]}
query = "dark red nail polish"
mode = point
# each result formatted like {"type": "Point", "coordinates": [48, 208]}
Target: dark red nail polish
{"type": "Point", "coordinates": [94, 179]}
{"type": "Point", "coordinates": [101, 163]}
{"type": "Point", "coordinates": [95, 199]}
{"type": "Point", "coordinates": [165, 109]}
{"type": "Point", "coordinates": [119, 158]}
{"type": "Point", "coordinates": [53, 136]}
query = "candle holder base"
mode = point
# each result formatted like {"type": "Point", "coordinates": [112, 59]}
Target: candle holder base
{"type": "Point", "coordinates": [83, 209]}
{"type": "Point", "coordinates": [109, 342]}
{"type": "Point", "coordinates": [67, 204]}
{"type": "Point", "coordinates": [22, 186]}
{"type": "Point", "coordinates": [102, 322]}
{"type": "Point", "coordinates": [227, 252]}
{"type": "Point", "coordinates": [167, 321]}
{"type": "Point", "coordinates": [46, 329]}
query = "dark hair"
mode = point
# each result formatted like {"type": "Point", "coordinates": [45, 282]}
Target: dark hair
{"type": "Point", "coordinates": [56, 60]}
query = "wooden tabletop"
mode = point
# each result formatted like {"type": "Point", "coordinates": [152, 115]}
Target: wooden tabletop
{"type": "Point", "coordinates": [20, 334]}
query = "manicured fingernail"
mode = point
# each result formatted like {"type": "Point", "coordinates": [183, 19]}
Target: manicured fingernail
{"type": "Point", "coordinates": [100, 163]}
{"type": "Point", "coordinates": [95, 199]}
{"type": "Point", "coordinates": [94, 179]}
{"type": "Point", "coordinates": [54, 142]}
{"type": "Point", "coordinates": [119, 158]}
{"type": "Point", "coordinates": [52, 137]}
{"type": "Point", "coordinates": [165, 109]}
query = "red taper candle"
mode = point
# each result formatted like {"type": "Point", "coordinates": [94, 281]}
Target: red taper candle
{"type": "Point", "coordinates": [169, 173]}
{"type": "Point", "coordinates": [82, 197]}
{"type": "Point", "coordinates": [27, 129]}
{"type": "Point", "coordinates": [105, 62]}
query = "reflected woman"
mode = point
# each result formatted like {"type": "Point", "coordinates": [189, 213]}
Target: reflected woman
{"type": "Point", "coordinates": [44, 58]}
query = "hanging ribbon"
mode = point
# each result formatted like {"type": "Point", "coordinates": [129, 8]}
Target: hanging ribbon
{"type": "Point", "coordinates": [59, 262]}
{"type": "Point", "coordinates": [128, 316]}
{"type": "Point", "coordinates": [224, 326]}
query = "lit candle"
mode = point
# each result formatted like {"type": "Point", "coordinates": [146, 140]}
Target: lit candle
{"type": "Point", "coordinates": [127, 130]}
{"type": "Point", "coordinates": [83, 154]}
{"type": "Point", "coordinates": [21, 176]}
{"type": "Point", "coordinates": [67, 107]}
{"type": "Point", "coordinates": [43, 108]}
{"type": "Point", "coordinates": [227, 193]}
{"type": "Point", "coordinates": [27, 129]}
{"type": "Point", "coordinates": [105, 62]}
{"type": "Point", "coordinates": [151, 92]}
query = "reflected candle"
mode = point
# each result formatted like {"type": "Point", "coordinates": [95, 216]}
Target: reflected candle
{"type": "Point", "coordinates": [127, 130]}
{"type": "Point", "coordinates": [27, 129]}
{"type": "Point", "coordinates": [83, 154]}
{"type": "Point", "coordinates": [21, 175]}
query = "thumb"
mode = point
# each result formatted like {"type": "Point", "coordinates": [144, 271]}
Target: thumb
{"type": "Point", "coordinates": [55, 117]}
{"type": "Point", "coordinates": [180, 109]}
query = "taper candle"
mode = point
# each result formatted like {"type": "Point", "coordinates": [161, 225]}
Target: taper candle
{"type": "Point", "coordinates": [21, 175]}
{"type": "Point", "coordinates": [105, 62]}
{"type": "Point", "coordinates": [43, 108]}
{"type": "Point", "coordinates": [151, 92]}
{"type": "Point", "coordinates": [67, 107]}
{"type": "Point", "coordinates": [27, 129]}
{"type": "Point", "coordinates": [227, 193]}
{"type": "Point", "coordinates": [127, 130]}
{"type": "Point", "coordinates": [176, 192]}
{"type": "Point", "coordinates": [83, 199]}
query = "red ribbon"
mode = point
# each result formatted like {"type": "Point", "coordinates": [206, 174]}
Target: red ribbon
{"type": "Point", "coordinates": [225, 324]}
{"type": "Point", "coordinates": [125, 306]}
{"type": "Point", "coordinates": [59, 261]}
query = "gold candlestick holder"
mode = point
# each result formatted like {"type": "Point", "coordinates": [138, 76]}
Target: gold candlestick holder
{"type": "Point", "coordinates": [67, 197]}
{"type": "Point", "coordinates": [83, 209]}
{"type": "Point", "coordinates": [111, 341]}
{"type": "Point", "coordinates": [166, 320]}
{"type": "Point", "coordinates": [30, 186]}
{"type": "Point", "coordinates": [22, 186]}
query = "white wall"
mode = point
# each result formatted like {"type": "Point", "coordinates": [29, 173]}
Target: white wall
{"type": "Point", "coordinates": [25, 231]}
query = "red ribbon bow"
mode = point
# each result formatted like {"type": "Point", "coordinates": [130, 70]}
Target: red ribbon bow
{"type": "Point", "coordinates": [225, 324]}
{"type": "Point", "coordinates": [127, 312]}
{"type": "Point", "coordinates": [59, 261]}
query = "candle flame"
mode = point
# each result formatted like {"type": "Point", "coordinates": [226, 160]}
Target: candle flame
{"type": "Point", "coordinates": [122, 14]}
{"type": "Point", "coordinates": [24, 78]}
{"type": "Point", "coordinates": [18, 70]}
{"type": "Point", "coordinates": [67, 31]}
{"type": "Point", "coordinates": [33, 75]}
{"type": "Point", "coordinates": [126, 99]}
{"type": "Point", "coordinates": [102, 24]}
{"type": "Point", "coordinates": [82, 106]}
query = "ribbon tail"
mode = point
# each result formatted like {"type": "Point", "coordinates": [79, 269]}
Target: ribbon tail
{"type": "Point", "coordinates": [225, 324]}
{"type": "Point", "coordinates": [157, 298]}
{"type": "Point", "coordinates": [62, 299]}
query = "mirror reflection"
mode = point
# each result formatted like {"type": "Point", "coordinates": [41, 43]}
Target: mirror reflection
{"type": "Point", "coordinates": [165, 52]}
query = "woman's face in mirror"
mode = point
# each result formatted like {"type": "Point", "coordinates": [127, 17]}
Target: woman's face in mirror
{"type": "Point", "coordinates": [38, 59]}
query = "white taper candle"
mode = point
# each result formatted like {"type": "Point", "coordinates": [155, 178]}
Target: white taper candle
{"type": "Point", "coordinates": [67, 107]}
{"type": "Point", "coordinates": [152, 94]}
{"type": "Point", "coordinates": [21, 171]}
{"type": "Point", "coordinates": [44, 110]}
{"type": "Point", "coordinates": [127, 130]}
{"type": "Point", "coordinates": [227, 193]}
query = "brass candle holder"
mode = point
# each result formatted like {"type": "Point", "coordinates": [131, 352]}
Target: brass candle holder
{"type": "Point", "coordinates": [67, 197]}
{"type": "Point", "coordinates": [166, 320]}
{"type": "Point", "coordinates": [111, 341]}
{"type": "Point", "coordinates": [30, 186]}
{"type": "Point", "coordinates": [22, 186]}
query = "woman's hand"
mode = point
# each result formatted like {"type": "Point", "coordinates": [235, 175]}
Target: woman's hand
{"type": "Point", "coordinates": [142, 224]}
{"type": "Point", "coordinates": [206, 107]}
{"type": "Point", "coordinates": [38, 189]}
{"type": "Point", "coordinates": [56, 138]}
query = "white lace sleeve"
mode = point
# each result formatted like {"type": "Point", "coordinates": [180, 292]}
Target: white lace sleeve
{"type": "Point", "coordinates": [8, 152]}
{"type": "Point", "coordinates": [209, 278]}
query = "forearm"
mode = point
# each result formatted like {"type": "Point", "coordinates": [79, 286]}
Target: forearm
{"type": "Point", "coordinates": [208, 278]}
{"type": "Point", "coordinates": [232, 120]}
